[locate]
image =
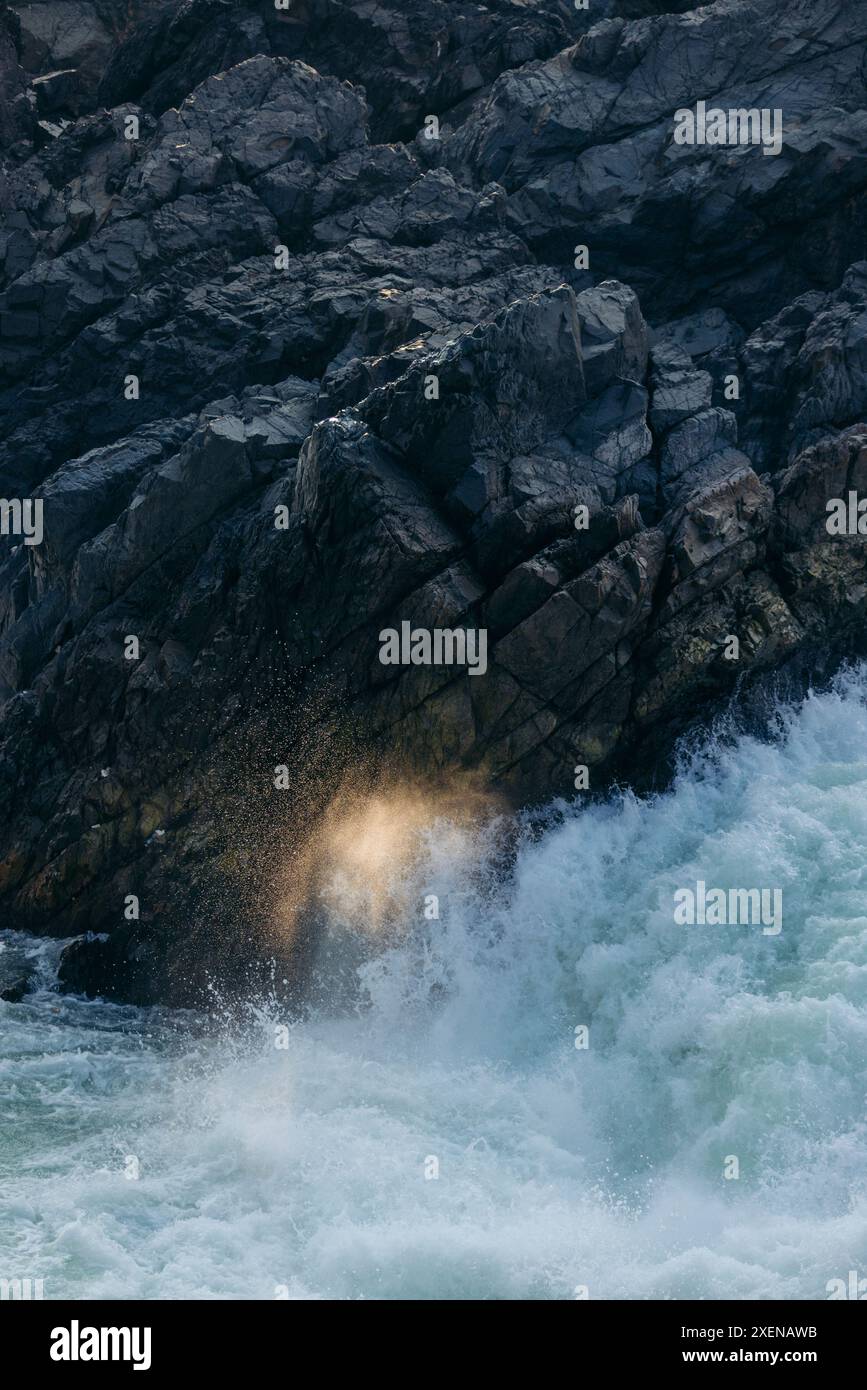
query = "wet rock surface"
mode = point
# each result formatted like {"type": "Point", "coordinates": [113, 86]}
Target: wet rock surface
{"type": "Point", "coordinates": [287, 373]}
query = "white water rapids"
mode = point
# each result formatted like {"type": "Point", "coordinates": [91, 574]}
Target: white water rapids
{"type": "Point", "coordinates": [302, 1168]}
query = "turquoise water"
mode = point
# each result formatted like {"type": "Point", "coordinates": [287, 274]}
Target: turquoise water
{"type": "Point", "coordinates": [302, 1168]}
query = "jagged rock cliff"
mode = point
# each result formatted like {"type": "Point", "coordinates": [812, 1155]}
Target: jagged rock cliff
{"type": "Point", "coordinates": [253, 462]}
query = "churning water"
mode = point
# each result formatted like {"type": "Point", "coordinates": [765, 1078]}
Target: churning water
{"type": "Point", "coordinates": [303, 1167]}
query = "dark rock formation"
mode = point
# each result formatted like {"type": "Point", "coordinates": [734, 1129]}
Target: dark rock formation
{"type": "Point", "coordinates": [286, 373]}
{"type": "Point", "coordinates": [582, 145]}
{"type": "Point", "coordinates": [14, 992]}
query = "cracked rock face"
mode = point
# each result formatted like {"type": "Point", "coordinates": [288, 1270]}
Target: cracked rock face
{"type": "Point", "coordinates": [297, 348]}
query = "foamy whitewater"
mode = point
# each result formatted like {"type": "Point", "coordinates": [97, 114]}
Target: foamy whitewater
{"type": "Point", "coordinates": [304, 1168]}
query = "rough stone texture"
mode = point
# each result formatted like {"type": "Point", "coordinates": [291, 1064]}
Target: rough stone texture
{"type": "Point", "coordinates": [308, 389]}
{"type": "Point", "coordinates": [582, 144]}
